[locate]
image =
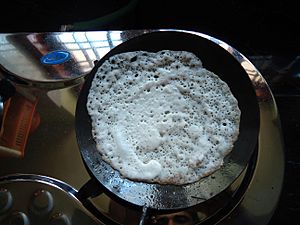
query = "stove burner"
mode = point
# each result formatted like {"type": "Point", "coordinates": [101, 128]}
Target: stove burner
{"type": "Point", "coordinates": [208, 212]}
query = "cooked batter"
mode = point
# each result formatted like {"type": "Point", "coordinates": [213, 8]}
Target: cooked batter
{"type": "Point", "coordinates": [161, 117]}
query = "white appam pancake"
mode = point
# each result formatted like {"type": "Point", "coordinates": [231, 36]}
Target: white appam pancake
{"type": "Point", "coordinates": [161, 117]}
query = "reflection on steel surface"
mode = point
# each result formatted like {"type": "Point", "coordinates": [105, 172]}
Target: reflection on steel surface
{"type": "Point", "coordinates": [21, 53]}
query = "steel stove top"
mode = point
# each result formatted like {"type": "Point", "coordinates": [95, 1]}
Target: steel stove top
{"type": "Point", "coordinates": [52, 150]}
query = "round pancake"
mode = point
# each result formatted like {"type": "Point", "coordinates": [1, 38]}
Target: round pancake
{"type": "Point", "coordinates": [161, 117]}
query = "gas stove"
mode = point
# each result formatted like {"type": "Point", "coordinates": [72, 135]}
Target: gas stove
{"type": "Point", "coordinates": [46, 183]}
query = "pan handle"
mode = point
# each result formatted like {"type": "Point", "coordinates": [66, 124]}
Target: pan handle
{"type": "Point", "coordinates": [89, 189]}
{"type": "Point", "coordinates": [97, 213]}
{"type": "Point", "coordinates": [144, 215]}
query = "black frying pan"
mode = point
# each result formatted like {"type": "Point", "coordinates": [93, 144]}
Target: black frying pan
{"type": "Point", "coordinates": [171, 197]}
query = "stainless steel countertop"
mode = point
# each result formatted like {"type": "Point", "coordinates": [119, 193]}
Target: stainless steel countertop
{"type": "Point", "coordinates": [52, 149]}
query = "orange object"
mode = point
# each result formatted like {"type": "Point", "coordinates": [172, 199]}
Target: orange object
{"type": "Point", "coordinates": [18, 117]}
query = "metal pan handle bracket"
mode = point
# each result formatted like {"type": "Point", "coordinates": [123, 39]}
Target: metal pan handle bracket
{"type": "Point", "coordinates": [89, 190]}
{"type": "Point", "coordinates": [144, 215]}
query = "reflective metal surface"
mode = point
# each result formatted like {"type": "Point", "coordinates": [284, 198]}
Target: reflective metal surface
{"type": "Point", "coordinates": [21, 54]}
{"type": "Point", "coordinates": [52, 149]}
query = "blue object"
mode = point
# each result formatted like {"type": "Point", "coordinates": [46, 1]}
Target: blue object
{"type": "Point", "coordinates": [56, 57]}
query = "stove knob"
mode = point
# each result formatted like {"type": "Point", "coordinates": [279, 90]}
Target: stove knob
{"type": "Point", "coordinates": [42, 202]}
{"type": "Point", "coordinates": [6, 200]}
{"type": "Point", "coordinates": [18, 218]}
{"type": "Point", "coordinates": [59, 219]}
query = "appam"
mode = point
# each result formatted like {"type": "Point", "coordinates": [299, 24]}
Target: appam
{"type": "Point", "coordinates": [161, 117]}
